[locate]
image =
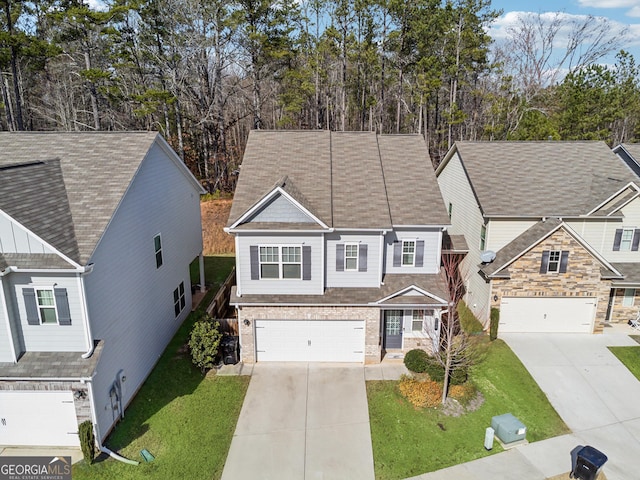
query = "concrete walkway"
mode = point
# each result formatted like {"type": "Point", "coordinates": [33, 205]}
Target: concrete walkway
{"type": "Point", "coordinates": [303, 421]}
{"type": "Point", "coordinates": [596, 396]}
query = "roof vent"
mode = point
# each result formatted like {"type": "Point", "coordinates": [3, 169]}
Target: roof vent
{"type": "Point", "coordinates": [487, 256]}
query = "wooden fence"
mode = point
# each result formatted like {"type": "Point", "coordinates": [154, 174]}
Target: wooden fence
{"type": "Point", "coordinates": [219, 306]}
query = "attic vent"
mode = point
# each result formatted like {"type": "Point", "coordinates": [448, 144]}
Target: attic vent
{"type": "Point", "coordinates": [487, 256]}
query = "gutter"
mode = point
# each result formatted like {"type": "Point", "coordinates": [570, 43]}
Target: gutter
{"type": "Point", "coordinates": [85, 311]}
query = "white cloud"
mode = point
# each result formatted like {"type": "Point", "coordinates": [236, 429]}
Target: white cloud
{"type": "Point", "coordinates": [608, 3]}
{"type": "Point", "coordinates": [634, 12]}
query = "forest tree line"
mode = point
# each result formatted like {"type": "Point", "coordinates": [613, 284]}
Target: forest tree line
{"type": "Point", "coordinates": [205, 72]}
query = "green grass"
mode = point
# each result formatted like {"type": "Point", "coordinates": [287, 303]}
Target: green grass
{"type": "Point", "coordinates": [630, 357]}
{"type": "Point", "coordinates": [184, 419]}
{"type": "Point", "coordinates": [408, 442]}
{"type": "Point", "coordinates": [469, 323]}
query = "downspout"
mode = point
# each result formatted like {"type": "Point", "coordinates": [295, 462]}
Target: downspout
{"type": "Point", "coordinates": [101, 447]}
{"type": "Point", "coordinates": [85, 312]}
{"type": "Point", "coordinates": [381, 256]}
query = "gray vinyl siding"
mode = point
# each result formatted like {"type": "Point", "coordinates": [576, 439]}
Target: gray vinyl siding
{"type": "Point", "coordinates": [467, 220]}
{"type": "Point", "coordinates": [48, 338]}
{"type": "Point", "coordinates": [280, 209]}
{"type": "Point", "coordinates": [272, 286]}
{"type": "Point", "coordinates": [431, 260]}
{"type": "Point", "coordinates": [351, 278]}
{"type": "Point", "coordinates": [130, 300]}
{"type": "Point", "coordinates": [16, 239]}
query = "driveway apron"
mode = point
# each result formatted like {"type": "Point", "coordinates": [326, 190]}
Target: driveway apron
{"type": "Point", "coordinates": [303, 421]}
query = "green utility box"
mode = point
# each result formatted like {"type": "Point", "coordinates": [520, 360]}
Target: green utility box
{"type": "Point", "coordinates": [508, 428]}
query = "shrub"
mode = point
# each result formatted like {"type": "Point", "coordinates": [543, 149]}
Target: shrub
{"type": "Point", "coordinates": [493, 327]}
{"type": "Point", "coordinates": [87, 441]}
{"type": "Point", "coordinates": [434, 369]}
{"type": "Point", "coordinates": [416, 360]}
{"type": "Point", "coordinates": [420, 393]}
{"type": "Point", "coordinates": [204, 342]}
{"type": "Point", "coordinates": [458, 376]}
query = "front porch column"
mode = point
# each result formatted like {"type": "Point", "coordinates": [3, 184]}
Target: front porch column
{"type": "Point", "coordinates": [201, 265]}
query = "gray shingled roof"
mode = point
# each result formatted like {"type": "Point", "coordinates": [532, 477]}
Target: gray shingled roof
{"type": "Point", "coordinates": [631, 272]}
{"type": "Point", "coordinates": [53, 365]}
{"type": "Point", "coordinates": [520, 244]}
{"type": "Point", "coordinates": [97, 169]}
{"type": "Point", "coordinates": [35, 196]}
{"type": "Point", "coordinates": [393, 283]}
{"type": "Point", "coordinates": [545, 178]}
{"type": "Point", "coordinates": [348, 179]}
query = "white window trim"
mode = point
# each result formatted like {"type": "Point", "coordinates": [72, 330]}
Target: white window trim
{"type": "Point", "coordinates": [280, 262]}
{"type": "Point", "coordinates": [413, 263]}
{"type": "Point", "coordinates": [181, 298]}
{"type": "Point", "coordinates": [156, 251]}
{"type": "Point", "coordinates": [629, 300]}
{"type": "Point", "coordinates": [483, 237]}
{"type": "Point", "coordinates": [628, 247]}
{"type": "Point", "coordinates": [413, 319]}
{"type": "Point", "coordinates": [55, 305]}
{"type": "Point", "coordinates": [424, 333]}
{"type": "Point", "coordinates": [357, 257]}
{"type": "Point", "coordinates": [557, 270]}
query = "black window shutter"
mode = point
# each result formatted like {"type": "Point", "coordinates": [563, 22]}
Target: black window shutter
{"type": "Point", "coordinates": [62, 305]}
{"type": "Point", "coordinates": [617, 240]}
{"type": "Point", "coordinates": [362, 257]}
{"type": "Point", "coordinates": [340, 257]}
{"type": "Point", "coordinates": [564, 260]}
{"type": "Point", "coordinates": [397, 254]}
{"type": "Point", "coordinates": [306, 262]}
{"type": "Point", "coordinates": [636, 240]}
{"type": "Point", "coordinates": [545, 262]}
{"type": "Point", "coordinates": [419, 253]}
{"type": "Point", "coordinates": [31, 306]}
{"type": "Point", "coordinates": [255, 264]}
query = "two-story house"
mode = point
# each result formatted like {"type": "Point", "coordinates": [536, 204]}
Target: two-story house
{"type": "Point", "coordinates": [553, 230]}
{"type": "Point", "coordinates": [97, 232]}
{"type": "Point", "coordinates": [338, 242]}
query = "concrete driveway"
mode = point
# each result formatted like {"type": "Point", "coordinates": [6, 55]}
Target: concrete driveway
{"type": "Point", "coordinates": [596, 396]}
{"type": "Point", "coordinates": [303, 421]}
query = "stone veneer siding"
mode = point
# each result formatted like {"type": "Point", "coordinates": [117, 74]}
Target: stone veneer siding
{"type": "Point", "coordinates": [582, 278]}
{"type": "Point", "coordinates": [620, 313]}
{"type": "Point", "coordinates": [371, 316]}
{"type": "Point", "coordinates": [83, 405]}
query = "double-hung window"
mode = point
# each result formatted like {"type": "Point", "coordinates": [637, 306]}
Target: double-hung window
{"type": "Point", "coordinates": [281, 262]}
{"type": "Point", "coordinates": [408, 253]}
{"type": "Point", "coordinates": [46, 306]}
{"type": "Point", "coordinates": [351, 257]}
{"type": "Point", "coordinates": [417, 321]}
{"type": "Point", "coordinates": [179, 300]}
{"type": "Point", "coordinates": [157, 244]}
{"type": "Point", "coordinates": [554, 261]}
{"type": "Point", "coordinates": [627, 238]}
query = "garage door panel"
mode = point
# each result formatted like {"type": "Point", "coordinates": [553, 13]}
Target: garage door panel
{"type": "Point", "coordinates": [310, 340]}
{"type": "Point", "coordinates": [547, 315]}
{"type": "Point", "coordinates": [38, 419]}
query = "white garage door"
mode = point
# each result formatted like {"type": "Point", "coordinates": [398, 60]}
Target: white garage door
{"type": "Point", "coordinates": [310, 340]}
{"type": "Point", "coordinates": [561, 315]}
{"type": "Point", "coordinates": [38, 418]}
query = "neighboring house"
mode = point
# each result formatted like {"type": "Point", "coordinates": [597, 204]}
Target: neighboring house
{"type": "Point", "coordinates": [553, 230]}
{"type": "Point", "coordinates": [338, 241]}
{"type": "Point", "coordinates": [97, 232]}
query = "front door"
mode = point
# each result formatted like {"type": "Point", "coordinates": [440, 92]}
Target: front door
{"type": "Point", "coordinates": [392, 329]}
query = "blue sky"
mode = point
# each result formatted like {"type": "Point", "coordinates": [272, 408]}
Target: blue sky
{"type": "Point", "coordinates": [622, 13]}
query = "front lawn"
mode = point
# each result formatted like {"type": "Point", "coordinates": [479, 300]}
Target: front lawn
{"type": "Point", "coordinates": [184, 419]}
{"type": "Point", "coordinates": [630, 357]}
{"type": "Point", "coordinates": [408, 442]}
